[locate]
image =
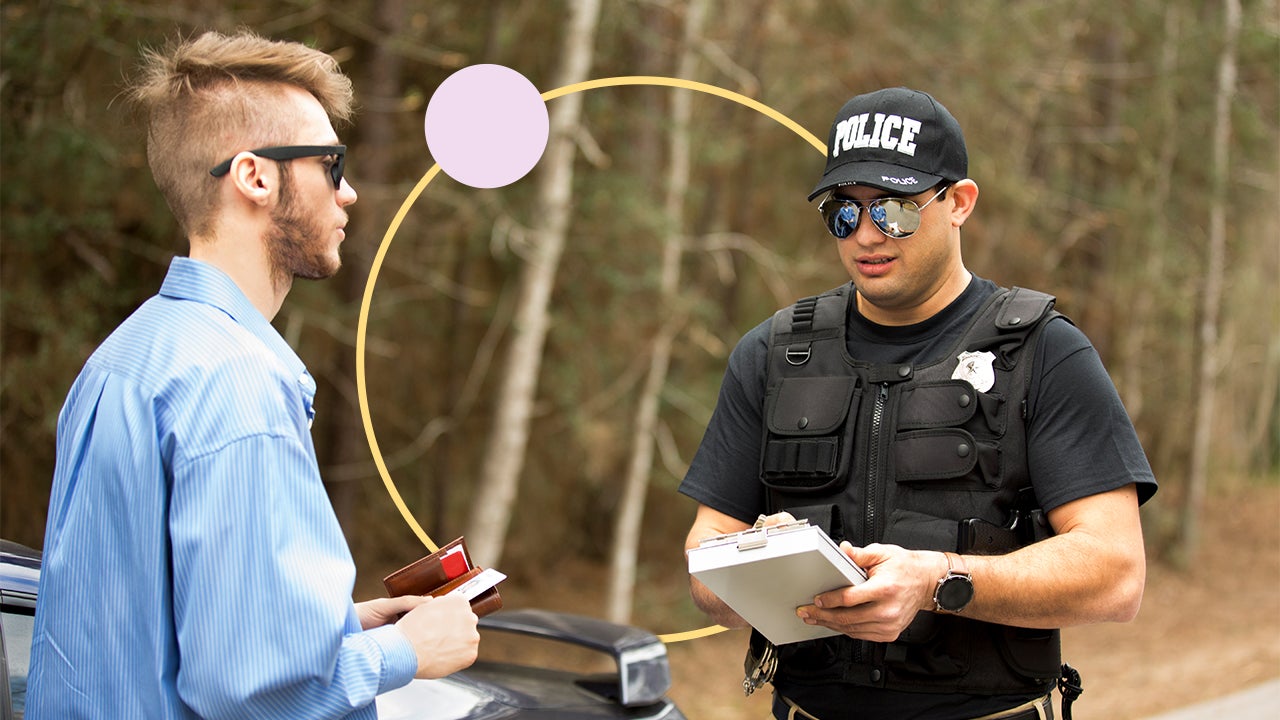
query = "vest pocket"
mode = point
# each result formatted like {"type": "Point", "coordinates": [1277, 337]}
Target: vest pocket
{"type": "Point", "coordinates": [1032, 654]}
{"type": "Point", "coordinates": [947, 458]}
{"type": "Point", "coordinates": [919, 531]}
{"type": "Point", "coordinates": [932, 647]}
{"type": "Point", "coordinates": [938, 404]}
{"type": "Point", "coordinates": [815, 661]}
{"type": "Point", "coordinates": [808, 446]}
{"type": "Point", "coordinates": [934, 454]}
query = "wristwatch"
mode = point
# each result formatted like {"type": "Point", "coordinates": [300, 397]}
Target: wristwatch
{"type": "Point", "coordinates": [955, 589]}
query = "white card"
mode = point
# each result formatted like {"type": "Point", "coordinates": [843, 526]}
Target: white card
{"type": "Point", "coordinates": [472, 588]}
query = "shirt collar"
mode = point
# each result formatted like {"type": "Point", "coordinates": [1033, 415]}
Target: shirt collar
{"type": "Point", "coordinates": [199, 281]}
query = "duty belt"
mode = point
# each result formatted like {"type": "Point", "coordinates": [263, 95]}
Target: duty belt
{"type": "Point", "coordinates": [1039, 709]}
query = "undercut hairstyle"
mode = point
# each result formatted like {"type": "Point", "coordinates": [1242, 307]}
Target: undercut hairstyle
{"type": "Point", "coordinates": [207, 98]}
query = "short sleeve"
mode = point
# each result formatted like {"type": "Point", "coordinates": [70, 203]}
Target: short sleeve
{"type": "Point", "coordinates": [724, 474]}
{"type": "Point", "coordinates": [1080, 440]}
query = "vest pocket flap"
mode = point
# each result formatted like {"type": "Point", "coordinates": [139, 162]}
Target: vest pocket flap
{"type": "Point", "coordinates": [1033, 654]}
{"type": "Point", "coordinates": [919, 531]}
{"type": "Point", "coordinates": [931, 405]}
{"type": "Point", "coordinates": [810, 405]}
{"type": "Point", "coordinates": [934, 454]}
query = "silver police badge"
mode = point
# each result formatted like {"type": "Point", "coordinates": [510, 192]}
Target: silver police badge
{"type": "Point", "coordinates": [976, 369]}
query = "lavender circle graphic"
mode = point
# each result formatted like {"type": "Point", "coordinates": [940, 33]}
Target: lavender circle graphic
{"type": "Point", "coordinates": [486, 126]}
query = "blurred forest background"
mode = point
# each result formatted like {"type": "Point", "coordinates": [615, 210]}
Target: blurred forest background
{"type": "Point", "coordinates": [542, 358]}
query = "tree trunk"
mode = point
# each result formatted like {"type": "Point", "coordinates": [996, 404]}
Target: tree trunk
{"type": "Point", "coordinates": [1207, 382]}
{"type": "Point", "coordinates": [1134, 343]}
{"type": "Point", "coordinates": [348, 447]}
{"type": "Point", "coordinates": [504, 457]}
{"type": "Point", "coordinates": [626, 536]}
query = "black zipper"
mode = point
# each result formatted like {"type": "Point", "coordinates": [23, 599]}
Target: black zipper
{"type": "Point", "coordinates": [873, 464]}
{"type": "Point", "coordinates": [861, 648]}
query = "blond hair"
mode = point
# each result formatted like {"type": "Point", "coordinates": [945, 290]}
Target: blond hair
{"type": "Point", "coordinates": [216, 95]}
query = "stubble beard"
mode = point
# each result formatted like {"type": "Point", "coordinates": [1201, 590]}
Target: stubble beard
{"type": "Point", "coordinates": [295, 244]}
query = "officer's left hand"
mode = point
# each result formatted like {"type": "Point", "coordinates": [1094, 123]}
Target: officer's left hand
{"type": "Point", "coordinates": [900, 584]}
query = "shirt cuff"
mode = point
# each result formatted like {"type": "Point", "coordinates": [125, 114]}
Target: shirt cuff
{"type": "Point", "coordinates": [400, 662]}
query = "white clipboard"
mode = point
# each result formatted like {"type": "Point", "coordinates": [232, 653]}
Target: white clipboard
{"type": "Point", "coordinates": [765, 573]}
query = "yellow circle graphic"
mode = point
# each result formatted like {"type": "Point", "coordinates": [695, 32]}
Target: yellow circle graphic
{"type": "Point", "coordinates": [362, 326]}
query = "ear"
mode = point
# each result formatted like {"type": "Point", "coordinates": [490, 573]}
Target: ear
{"type": "Point", "coordinates": [254, 178]}
{"type": "Point", "coordinates": [964, 197]}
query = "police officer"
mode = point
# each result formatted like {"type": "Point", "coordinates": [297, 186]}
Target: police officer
{"type": "Point", "coordinates": [962, 441]}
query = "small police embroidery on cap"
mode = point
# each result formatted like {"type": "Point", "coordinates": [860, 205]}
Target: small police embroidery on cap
{"type": "Point", "coordinates": [976, 369]}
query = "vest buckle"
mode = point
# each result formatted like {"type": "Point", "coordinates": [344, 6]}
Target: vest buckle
{"type": "Point", "coordinates": [798, 356]}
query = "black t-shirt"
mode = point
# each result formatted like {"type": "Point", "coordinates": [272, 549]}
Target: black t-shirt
{"type": "Point", "coordinates": [1080, 442]}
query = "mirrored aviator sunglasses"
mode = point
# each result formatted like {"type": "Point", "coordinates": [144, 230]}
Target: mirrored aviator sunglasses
{"type": "Point", "coordinates": [896, 217]}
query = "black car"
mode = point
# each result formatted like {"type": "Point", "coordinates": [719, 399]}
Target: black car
{"type": "Point", "coordinates": [487, 690]}
{"type": "Point", "coordinates": [19, 578]}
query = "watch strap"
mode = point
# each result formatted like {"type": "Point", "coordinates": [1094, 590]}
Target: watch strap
{"type": "Point", "coordinates": [955, 564]}
{"type": "Point", "coordinates": [957, 572]}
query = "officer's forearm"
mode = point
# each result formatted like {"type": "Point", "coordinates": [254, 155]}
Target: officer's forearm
{"type": "Point", "coordinates": [1092, 571]}
{"type": "Point", "coordinates": [710, 523]}
{"type": "Point", "coordinates": [713, 606]}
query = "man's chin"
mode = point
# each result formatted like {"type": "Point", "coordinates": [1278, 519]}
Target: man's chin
{"type": "Point", "coordinates": [320, 272]}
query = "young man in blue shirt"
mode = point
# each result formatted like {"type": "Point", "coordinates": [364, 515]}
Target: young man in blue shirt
{"type": "Point", "coordinates": [193, 566]}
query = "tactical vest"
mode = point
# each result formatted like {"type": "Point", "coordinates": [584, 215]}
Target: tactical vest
{"type": "Point", "coordinates": [902, 454]}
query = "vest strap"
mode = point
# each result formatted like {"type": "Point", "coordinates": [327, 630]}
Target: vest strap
{"type": "Point", "coordinates": [1022, 308]}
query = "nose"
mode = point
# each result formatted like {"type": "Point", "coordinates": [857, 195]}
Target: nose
{"type": "Point", "coordinates": [866, 233]}
{"type": "Point", "coordinates": [346, 194]}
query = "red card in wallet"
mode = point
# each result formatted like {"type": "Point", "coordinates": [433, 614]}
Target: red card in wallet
{"type": "Point", "coordinates": [447, 570]}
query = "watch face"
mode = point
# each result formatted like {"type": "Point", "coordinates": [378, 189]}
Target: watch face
{"type": "Point", "coordinates": [955, 593]}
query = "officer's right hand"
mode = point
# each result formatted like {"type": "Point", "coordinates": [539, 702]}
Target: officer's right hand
{"type": "Point", "coordinates": [899, 584]}
{"type": "Point", "coordinates": [444, 636]}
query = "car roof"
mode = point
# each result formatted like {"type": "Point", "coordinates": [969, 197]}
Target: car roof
{"type": "Point", "coordinates": [19, 567]}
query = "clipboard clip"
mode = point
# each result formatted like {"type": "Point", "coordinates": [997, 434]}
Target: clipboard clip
{"type": "Point", "coordinates": [758, 535]}
{"type": "Point", "coordinates": [753, 539]}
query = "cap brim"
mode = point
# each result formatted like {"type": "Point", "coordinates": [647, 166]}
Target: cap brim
{"type": "Point", "coordinates": [879, 175]}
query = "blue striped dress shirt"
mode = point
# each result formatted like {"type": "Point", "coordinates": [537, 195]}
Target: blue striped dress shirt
{"type": "Point", "coordinates": [193, 566]}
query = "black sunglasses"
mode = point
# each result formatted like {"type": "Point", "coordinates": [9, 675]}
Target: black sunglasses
{"type": "Point", "coordinates": [293, 152]}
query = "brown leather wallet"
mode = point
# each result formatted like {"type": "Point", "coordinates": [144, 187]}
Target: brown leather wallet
{"type": "Point", "coordinates": [439, 573]}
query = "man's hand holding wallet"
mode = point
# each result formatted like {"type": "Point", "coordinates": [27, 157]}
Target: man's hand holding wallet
{"type": "Point", "coordinates": [446, 571]}
{"type": "Point", "coordinates": [443, 628]}
{"type": "Point", "coordinates": [443, 634]}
